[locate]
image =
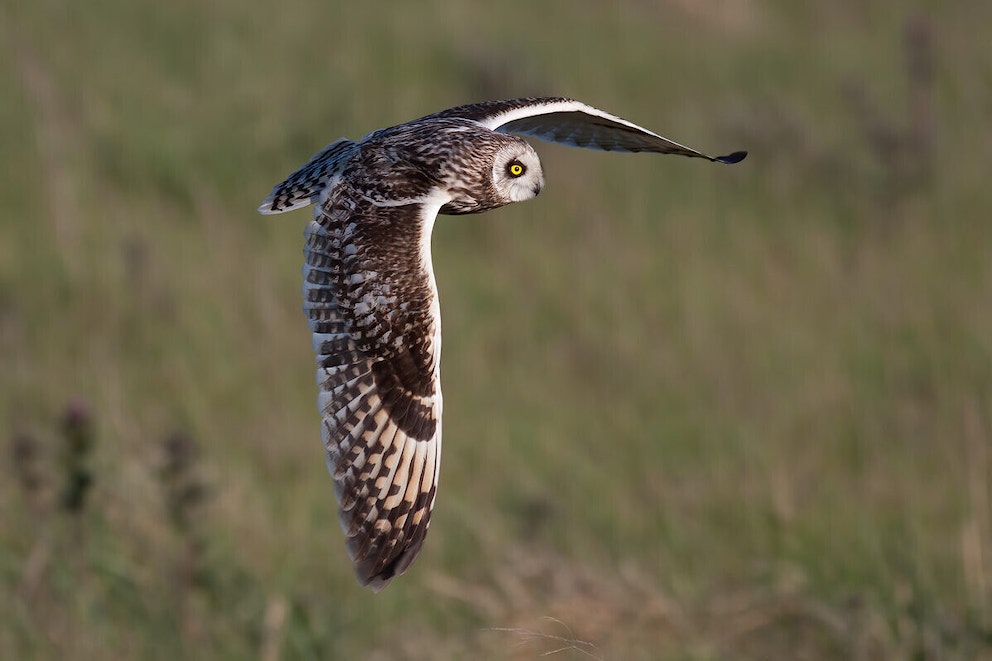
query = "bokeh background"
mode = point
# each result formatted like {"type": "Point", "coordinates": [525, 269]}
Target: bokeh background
{"type": "Point", "coordinates": [691, 411]}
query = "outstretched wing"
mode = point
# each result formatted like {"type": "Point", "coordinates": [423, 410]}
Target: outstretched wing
{"type": "Point", "coordinates": [371, 301]}
{"type": "Point", "coordinates": [575, 124]}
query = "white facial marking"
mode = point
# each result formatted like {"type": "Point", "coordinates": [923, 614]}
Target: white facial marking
{"type": "Point", "coordinates": [517, 173]}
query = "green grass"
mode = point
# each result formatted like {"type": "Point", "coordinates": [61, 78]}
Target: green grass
{"type": "Point", "coordinates": [691, 412]}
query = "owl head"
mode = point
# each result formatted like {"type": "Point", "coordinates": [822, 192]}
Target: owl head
{"type": "Point", "coordinates": [517, 173]}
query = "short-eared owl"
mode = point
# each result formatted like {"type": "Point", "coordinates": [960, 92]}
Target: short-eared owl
{"type": "Point", "coordinates": [371, 300]}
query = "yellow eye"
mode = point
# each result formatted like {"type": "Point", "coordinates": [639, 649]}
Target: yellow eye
{"type": "Point", "coordinates": [515, 169]}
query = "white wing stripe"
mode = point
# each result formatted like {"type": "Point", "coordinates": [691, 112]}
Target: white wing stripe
{"type": "Point", "coordinates": [545, 108]}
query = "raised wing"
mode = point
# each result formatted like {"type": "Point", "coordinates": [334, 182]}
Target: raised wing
{"type": "Point", "coordinates": [572, 123]}
{"type": "Point", "coordinates": [371, 301]}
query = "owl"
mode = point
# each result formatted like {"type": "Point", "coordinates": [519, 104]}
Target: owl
{"type": "Point", "coordinates": [371, 300]}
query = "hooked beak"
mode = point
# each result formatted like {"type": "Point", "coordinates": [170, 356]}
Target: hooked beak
{"type": "Point", "coordinates": [538, 185]}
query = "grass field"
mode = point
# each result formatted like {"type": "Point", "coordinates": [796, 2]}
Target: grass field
{"type": "Point", "coordinates": [691, 411]}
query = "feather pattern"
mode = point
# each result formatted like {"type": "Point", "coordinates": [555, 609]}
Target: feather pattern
{"type": "Point", "coordinates": [303, 187]}
{"type": "Point", "coordinates": [377, 372]}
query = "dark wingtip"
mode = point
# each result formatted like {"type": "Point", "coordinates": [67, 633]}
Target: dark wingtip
{"type": "Point", "coordinates": [736, 157]}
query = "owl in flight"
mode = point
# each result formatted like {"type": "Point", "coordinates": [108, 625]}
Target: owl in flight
{"type": "Point", "coordinates": [371, 299]}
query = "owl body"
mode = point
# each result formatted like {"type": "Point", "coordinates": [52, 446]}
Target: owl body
{"type": "Point", "coordinates": [452, 157]}
{"type": "Point", "coordinates": [371, 299]}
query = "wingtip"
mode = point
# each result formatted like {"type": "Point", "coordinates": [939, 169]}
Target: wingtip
{"type": "Point", "coordinates": [279, 203]}
{"type": "Point", "coordinates": [268, 204]}
{"type": "Point", "coordinates": [377, 584]}
{"type": "Point", "coordinates": [730, 159]}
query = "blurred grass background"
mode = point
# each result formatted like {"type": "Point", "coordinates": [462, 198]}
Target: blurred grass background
{"type": "Point", "coordinates": [692, 412]}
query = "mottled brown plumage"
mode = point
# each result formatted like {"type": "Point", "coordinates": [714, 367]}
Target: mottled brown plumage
{"type": "Point", "coordinates": [371, 300]}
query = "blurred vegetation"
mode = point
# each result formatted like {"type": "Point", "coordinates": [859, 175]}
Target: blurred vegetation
{"type": "Point", "coordinates": [692, 412]}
